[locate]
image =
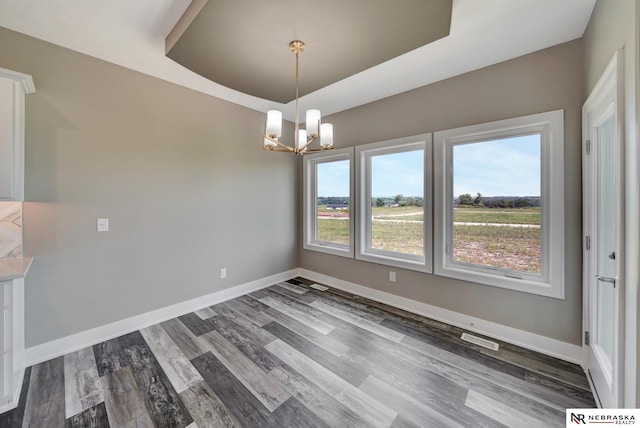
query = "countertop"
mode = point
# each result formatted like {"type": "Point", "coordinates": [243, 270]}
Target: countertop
{"type": "Point", "coordinates": [14, 268]}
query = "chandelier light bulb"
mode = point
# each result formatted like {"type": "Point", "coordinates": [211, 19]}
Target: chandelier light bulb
{"type": "Point", "coordinates": [302, 138]}
{"type": "Point", "coordinates": [326, 136]}
{"type": "Point", "coordinates": [313, 122]}
{"type": "Point", "coordinates": [274, 123]}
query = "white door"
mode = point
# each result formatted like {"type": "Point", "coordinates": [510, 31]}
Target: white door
{"type": "Point", "coordinates": [602, 200]}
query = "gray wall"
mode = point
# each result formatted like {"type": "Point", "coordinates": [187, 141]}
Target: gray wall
{"type": "Point", "coordinates": [547, 80]}
{"type": "Point", "coordinates": [615, 25]}
{"type": "Point", "coordinates": [188, 190]}
{"type": "Point", "coordinates": [180, 175]}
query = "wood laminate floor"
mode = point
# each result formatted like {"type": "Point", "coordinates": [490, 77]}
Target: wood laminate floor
{"type": "Point", "coordinates": [291, 356]}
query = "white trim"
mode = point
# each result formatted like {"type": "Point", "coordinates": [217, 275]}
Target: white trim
{"type": "Point", "coordinates": [21, 84]}
{"type": "Point", "coordinates": [363, 196]}
{"type": "Point", "coordinates": [25, 80]}
{"type": "Point", "coordinates": [592, 387]}
{"type": "Point", "coordinates": [605, 100]}
{"type": "Point", "coordinates": [535, 342]}
{"type": "Point", "coordinates": [74, 342]}
{"type": "Point", "coordinates": [310, 197]}
{"type": "Point", "coordinates": [550, 127]}
{"type": "Point", "coordinates": [19, 118]}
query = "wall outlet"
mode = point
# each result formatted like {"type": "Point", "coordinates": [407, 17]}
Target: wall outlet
{"type": "Point", "coordinates": [392, 276]}
{"type": "Point", "coordinates": [103, 225]}
{"type": "Point", "coordinates": [223, 273]}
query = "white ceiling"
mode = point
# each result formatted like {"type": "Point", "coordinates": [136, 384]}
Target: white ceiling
{"type": "Point", "coordinates": [131, 33]}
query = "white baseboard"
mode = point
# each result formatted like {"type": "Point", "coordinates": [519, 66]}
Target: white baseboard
{"type": "Point", "coordinates": [545, 345]}
{"type": "Point", "coordinates": [74, 342]}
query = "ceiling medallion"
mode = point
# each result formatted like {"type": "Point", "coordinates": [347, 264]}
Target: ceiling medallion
{"type": "Point", "coordinates": [303, 137]}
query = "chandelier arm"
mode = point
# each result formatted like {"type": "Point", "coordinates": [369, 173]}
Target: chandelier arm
{"type": "Point", "coordinates": [309, 142]}
{"type": "Point", "coordinates": [277, 149]}
{"type": "Point", "coordinates": [283, 148]}
{"type": "Point", "coordinates": [279, 143]}
{"type": "Point", "coordinates": [321, 149]}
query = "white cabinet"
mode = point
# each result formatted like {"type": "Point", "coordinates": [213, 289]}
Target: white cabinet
{"type": "Point", "coordinates": [13, 87]}
{"type": "Point", "coordinates": [5, 340]}
{"type": "Point", "coordinates": [11, 342]}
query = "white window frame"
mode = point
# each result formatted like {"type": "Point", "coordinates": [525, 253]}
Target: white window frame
{"type": "Point", "coordinates": [550, 282]}
{"type": "Point", "coordinates": [310, 198]}
{"type": "Point", "coordinates": [363, 194]}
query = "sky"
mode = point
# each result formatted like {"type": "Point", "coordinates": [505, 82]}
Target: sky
{"type": "Point", "coordinates": [505, 167]}
{"type": "Point", "coordinates": [393, 174]}
{"type": "Point", "coordinates": [398, 174]}
{"type": "Point", "coordinates": [333, 178]}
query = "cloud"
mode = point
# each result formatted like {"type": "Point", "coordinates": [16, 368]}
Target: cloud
{"type": "Point", "coordinates": [398, 173]}
{"type": "Point", "coordinates": [333, 178]}
{"type": "Point", "coordinates": [506, 167]}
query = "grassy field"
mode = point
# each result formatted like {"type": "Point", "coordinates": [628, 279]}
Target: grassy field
{"type": "Point", "coordinates": [399, 237]}
{"type": "Point", "coordinates": [400, 229]}
{"type": "Point", "coordinates": [497, 215]}
{"type": "Point", "coordinates": [382, 211]}
{"type": "Point", "coordinates": [333, 230]}
{"type": "Point", "coordinates": [512, 248]}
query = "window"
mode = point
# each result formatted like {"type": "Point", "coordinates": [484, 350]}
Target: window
{"type": "Point", "coordinates": [497, 203]}
{"type": "Point", "coordinates": [500, 204]}
{"type": "Point", "coordinates": [328, 209]}
{"type": "Point", "coordinates": [394, 202]}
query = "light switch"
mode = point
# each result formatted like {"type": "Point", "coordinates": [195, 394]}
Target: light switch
{"type": "Point", "coordinates": [103, 225]}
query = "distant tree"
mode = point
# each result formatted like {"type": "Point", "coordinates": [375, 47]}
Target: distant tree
{"type": "Point", "coordinates": [379, 202]}
{"type": "Point", "coordinates": [477, 201]}
{"type": "Point", "coordinates": [418, 202]}
{"type": "Point", "coordinates": [521, 203]}
{"type": "Point", "coordinates": [398, 198]}
{"type": "Point", "coordinates": [410, 202]}
{"type": "Point", "coordinates": [465, 199]}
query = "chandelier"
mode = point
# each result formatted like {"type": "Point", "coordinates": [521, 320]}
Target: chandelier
{"type": "Point", "coordinates": [303, 137]}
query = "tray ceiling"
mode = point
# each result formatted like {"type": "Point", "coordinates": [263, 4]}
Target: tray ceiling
{"type": "Point", "coordinates": [132, 34]}
{"type": "Point", "coordinates": [244, 45]}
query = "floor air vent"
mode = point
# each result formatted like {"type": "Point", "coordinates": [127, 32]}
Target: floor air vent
{"type": "Point", "coordinates": [319, 287]}
{"type": "Point", "coordinates": [480, 341]}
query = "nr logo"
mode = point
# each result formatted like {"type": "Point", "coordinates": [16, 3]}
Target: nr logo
{"type": "Point", "coordinates": [577, 418]}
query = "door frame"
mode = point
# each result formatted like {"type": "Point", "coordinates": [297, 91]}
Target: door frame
{"type": "Point", "coordinates": [610, 82]}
